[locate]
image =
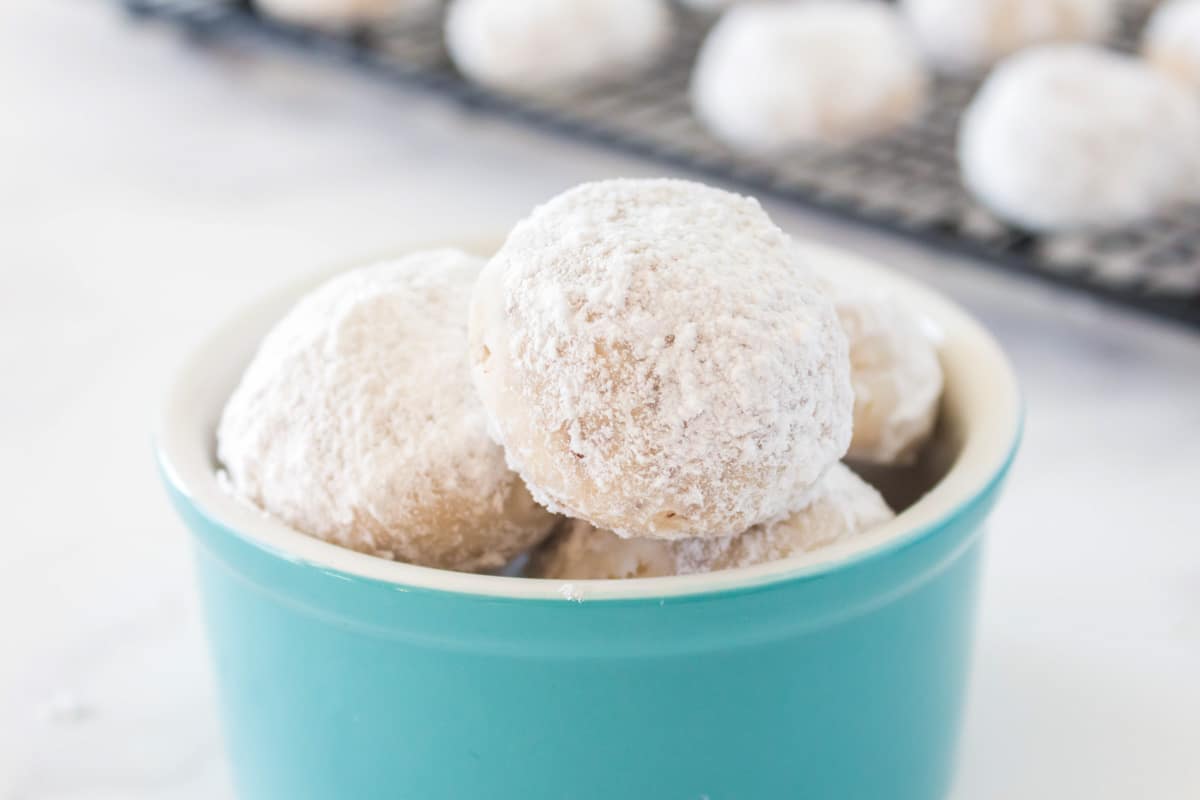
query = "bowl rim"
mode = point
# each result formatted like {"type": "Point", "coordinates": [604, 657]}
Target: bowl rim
{"type": "Point", "coordinates": [977, 370]}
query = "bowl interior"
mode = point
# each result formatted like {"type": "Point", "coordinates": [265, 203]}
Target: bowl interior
{"type": "Point", "coordinates": [975, 441]}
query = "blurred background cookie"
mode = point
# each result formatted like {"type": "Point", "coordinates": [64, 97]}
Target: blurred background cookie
{"type": "Point", "coordinates": [773, 76]}
{"type": "Point", "coordinates": [1172, 40]}
{"type": "Point", "coordinates": [970, 35]}
{"type": "Point", "coordinates": [1075, 136]}
{"type": "Point", "coordinates": [532, 46]}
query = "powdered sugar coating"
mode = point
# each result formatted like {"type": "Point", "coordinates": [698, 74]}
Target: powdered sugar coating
{"type": "Point", "coordinates": [842, 505]}
{"type": "Point", "coordinates": [969, 35]}
{"type": "Point", "coordinates": [1171, 42]}
{"type": "Point", "coordinates": [894, 368]}
{"type": "Point", "coordinates": [532, 46]}
{"type": "Point", "coordinates": [655, 364]}
{"type": "Point", "coordinates": [341, 13]}
{"type": "Point", "coordinates": [773, 76]}
{"type": "Point", "coordinates": [1073, 136]}
{"type": "Point", "coordinates": [356, 422]}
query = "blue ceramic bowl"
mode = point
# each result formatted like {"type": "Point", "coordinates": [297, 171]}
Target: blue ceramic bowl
{"type": "Point", "coordinates": [839, 674]}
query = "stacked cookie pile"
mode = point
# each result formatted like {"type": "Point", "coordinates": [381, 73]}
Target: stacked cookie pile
{"type": "Point", "coordinates": [649, 369]}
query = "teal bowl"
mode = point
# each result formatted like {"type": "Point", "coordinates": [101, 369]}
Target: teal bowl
{"type": "Point", "coordinates": [839, 674]}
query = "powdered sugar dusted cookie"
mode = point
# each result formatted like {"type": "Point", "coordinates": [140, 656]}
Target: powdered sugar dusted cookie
{"type": "Point", "coordinates": [654, 364]}
{"type": "Point", "coordinates": [1074, 136]}
{"type": "Point", "coordinates": [894, 367]}
{"type": "Point", "coordinates": [532, 46]}
{"type": "Point", "coordinates": [356, 422]}
{"type": "Point", "coordinates": [843, 505]}
{"type": "Point", "coordinates": [1171, 42]}
{"type": "Point", "coordinates": [969, 35]}
{"type": "Point", "coordinates": [773, 76]}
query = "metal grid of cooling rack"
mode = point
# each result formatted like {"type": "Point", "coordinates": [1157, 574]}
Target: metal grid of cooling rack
{"type": "Point", "coordinates": [906, 182]}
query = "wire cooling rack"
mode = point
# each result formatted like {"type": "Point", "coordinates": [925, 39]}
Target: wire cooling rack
{"type": "Point", "coordinates": [906, 182]}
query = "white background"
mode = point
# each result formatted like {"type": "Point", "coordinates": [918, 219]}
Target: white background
{"type": "Point", "coordinates": [147, 187]}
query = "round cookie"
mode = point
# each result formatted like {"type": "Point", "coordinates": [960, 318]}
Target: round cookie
{"type": "Point", "coordinates": [654, 363]}
{"type": "Point", "coordinates": [343, 13]}
{"type": "Point", "coordinates": [356, 422]}
{"type": "Point", "coordinates": [774, 76]}
{"type": "Point", "coordinates": [1072, 136]}
{"type": "Point", "coordinates": [1171, 42]}
{"type": "Point", "coordinates": [843, 505]}
{"type": "Point", "coordinates": [537, 46]}
{"type": "Point", "coordinates": [969, 35]}
{"type": "Point", "coordinates": [894, 368]}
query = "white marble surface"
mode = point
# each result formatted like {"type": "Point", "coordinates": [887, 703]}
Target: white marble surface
{"type": "Point", "coordinates": [146, 186]}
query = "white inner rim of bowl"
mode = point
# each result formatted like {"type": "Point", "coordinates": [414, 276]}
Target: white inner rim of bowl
{"type": "Point", "coordinates": [981, 398]}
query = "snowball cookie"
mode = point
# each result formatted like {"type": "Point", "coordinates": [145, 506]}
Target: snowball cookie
{"type": "Point", "coordinates": [968, 35]}
{"type": "Point", "coordinates": [356, 422]}
{"type": "Point", "coordinates": [1073, 136]}
{"type": "Point", "coordinates": [342, 13]}
{"type": "Point", "coordinates": [894, 368]}
{"type": "Point", "coordinates": [531, 46]}
{"type": "Point", "coordinates": [770, 77]}
{"type": "Point", "coordinates": [654, 363]}
{"type": "Point", "coordinates": [1171, 42]}
{"type": "Point", "coordinates": [843, 505]}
